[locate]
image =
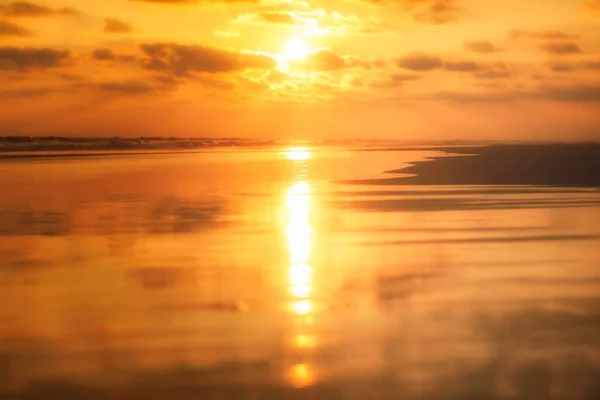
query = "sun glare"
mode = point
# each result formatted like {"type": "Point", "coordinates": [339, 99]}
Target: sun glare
{"type": "Point", "coordinates": [296, 48]}
{"type": "Point", "coordinates": [297, 154]}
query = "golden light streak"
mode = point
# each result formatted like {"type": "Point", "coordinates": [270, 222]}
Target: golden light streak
{"type": "Point", "coordinates": [298, 232]}
{"type": "Point", "coordinates": [301, 290]}
{"type": "Point", "coordinates": [306, 341]}
{"type": "Point", "coordinates": [302, 307]}
{"type": "Point", "coordinates": [302, 375]}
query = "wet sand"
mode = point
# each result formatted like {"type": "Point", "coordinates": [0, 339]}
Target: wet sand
{"type": "Point", "coordinates": [566, 165]}
{"type": "Point", "coordinates": [260, 275]}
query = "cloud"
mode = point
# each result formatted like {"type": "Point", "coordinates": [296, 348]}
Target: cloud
{"type": "Point", "coordinates": [226, 33]}
{"type": "Point", "coordinates": [328, 60]}
{"type": "Point", "coordinates": [8, 28]}
{"type": "Point", "coordinates": [186, 60]}
{"type": "Point", "coordinates": [592, 65]}
{"type": "Point", "coordinates": [127, 87]}
{"type": "Point", "coordinates": [545, 35]}
{"type": "Point", "coordinates": [105, 54]}
{"type": "Point", "coordinates": [26, 59]}
{"type": "Point", "coordinates": [195, 1]}
{"type": "Point", "coordinates": [578, 93]}
{"type": "Point", "coordinates": [484, 97]}
{"type": "Point", "coordinates": [562, 66]}
{"type": "Point", "coordinates": [394, 81]}
{"type": "Point", "coordinates": [497, 70]}
{"type": "Point", "coordinates": [419, 62]}
{"type": "Point", "coordinates": [113, 25]}
{"type": "Point", "coordinates": [592, 6]}
{"type": "Point", "coordinates": [559, 48]}
{"type": "Point", "coordinates": [314, 22]}
{"type": "Point", "coordinates": [480, 46]}
{"type": "Point", "coordinates": [575, 93]}
{"type": "Point", "coordinates": [462, 66]}
{"type": "Point", "coordinates": [30, 9]}
{"type": "Point", "coordinates": [479, 70]}
{"type": "Point", "coordinates": [437, 12]}
{"type": "Point", "coordinates": [27, 92]}
{"type": "Point", "coordinates": [279, 17]}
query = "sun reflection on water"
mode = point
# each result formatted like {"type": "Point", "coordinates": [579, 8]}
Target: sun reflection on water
{"type": "Point", "coordinates": [298, 232]}
{"type": "Point", "coordinates": [297, 153]}
{"type": "Point", "coordinates": [302, 375]}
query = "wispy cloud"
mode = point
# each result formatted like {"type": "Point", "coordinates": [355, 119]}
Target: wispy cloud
{"type": "Point", "coordinates": [31, 9]}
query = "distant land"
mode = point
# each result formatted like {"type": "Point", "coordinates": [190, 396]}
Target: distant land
{"type": "Point", "coordinates": [58, 144]}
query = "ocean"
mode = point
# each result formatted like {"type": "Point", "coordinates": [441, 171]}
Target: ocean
{"type": "Point", "coordinates": [292, 271]}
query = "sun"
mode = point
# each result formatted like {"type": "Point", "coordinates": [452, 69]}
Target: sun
{"type": "Point", "coordinates": [296, 48]}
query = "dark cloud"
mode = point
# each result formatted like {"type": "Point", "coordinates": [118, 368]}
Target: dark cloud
{"type": "Point", "coordinates": [394, 81]}
{"type": "Point", "coordinates": [437, 12]}
{"type": "Point", "coordinates": [113, 25]}
{"type": "Point", "coordinates": [8, 28]}
{"type": "Point", "coordinates": [127, 87]}
{"type": "Point", "coordinates": [574, 93]}
{"type": "Point", "coordinates": [25, 59]}
{"type": "Point", "coordinates": [494, 71]}
{"type": "Point", "coordinates": [593, 6]}
{"type": "Point", "coordinates": [592, 65]}
{"type": "Point", "coordinates": [105, 54]}
{"type": "Point", "coordinates": [578, 93]}
{"type": "Point", "coordinates": [479, 70]}
{"type": "Point", "coordinates": [30, 9]}
{"type": "Point", "coordinates": [419, 62]}
{"type": "Point", "coordinates": [462, 66]}
{"type": "Point", "coordinates": [560, 48]}
{"type": "Point", "coordinates": [480, 46]}
{"type": "Point", "coordinates": [562, 66]}
{"type": "Point", "coordinates": [546, 35]}
{"type": "Point", "coordinates": [26, 92]}
{"type": "Point", "coordinates": [186, 60]}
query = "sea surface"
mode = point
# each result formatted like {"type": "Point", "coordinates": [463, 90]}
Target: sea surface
{"type": "Point", "coordinates": [266, 273]}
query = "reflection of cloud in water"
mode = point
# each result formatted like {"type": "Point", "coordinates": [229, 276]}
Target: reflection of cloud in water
{"type": "Point", "coordinates": [179, 217]}
{"type": "Point", "coordinates": [468, 203]}
{"type": "Point", "coordinates": [32, 222]}
{"type": "Point", "coordinates": [106, 218]}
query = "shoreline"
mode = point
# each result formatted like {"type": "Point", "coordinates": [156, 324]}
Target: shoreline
{"type": "Point", "coordinates": [552, 164]}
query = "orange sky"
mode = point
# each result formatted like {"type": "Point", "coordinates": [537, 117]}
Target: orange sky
{"type": "Point", "coordinates": [406, 69]}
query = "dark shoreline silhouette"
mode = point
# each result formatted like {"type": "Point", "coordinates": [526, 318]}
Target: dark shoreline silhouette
{"type": "Point", "coordinates": [557, 164]}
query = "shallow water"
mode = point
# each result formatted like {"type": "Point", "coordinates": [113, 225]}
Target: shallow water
{"type": "Point", "coordinates": [265, 274]}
